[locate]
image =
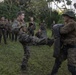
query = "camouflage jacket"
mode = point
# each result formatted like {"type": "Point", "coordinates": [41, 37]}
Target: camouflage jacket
{"type": "Point", "coordinates": [16, 25]}
{"type": "Point", "coordinates": [43, 31]}
{"type": "Point", "coordinates": [32, 27]}
{"type": "Point", "coordinates": [69, 33]}
{"type": "Point", "coordinates": [26, 39]}
{"type": "Point", "coordinates": [2, 25]}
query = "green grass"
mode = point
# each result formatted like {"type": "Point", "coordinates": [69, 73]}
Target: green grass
{"type": "Point", "coordinates": [40, 62]}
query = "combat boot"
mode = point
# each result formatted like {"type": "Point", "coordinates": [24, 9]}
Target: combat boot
{"type": "Point", "coordinates": [46, 41]}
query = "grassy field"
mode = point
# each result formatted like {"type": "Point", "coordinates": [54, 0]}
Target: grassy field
{"type": "Point", "coordinates": [40, 62]}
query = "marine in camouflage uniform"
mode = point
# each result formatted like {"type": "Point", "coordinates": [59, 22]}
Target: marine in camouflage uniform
{"type": "Point", "coordinates": [68, 45]}
{"type": "Point", "coordinates": [39, 34]}
{"type": "Point", "coordinates": [18, 28]}
{"type": "Point", "coordinates": [15, 28]}
{"type": "Point", "coordinates": [69, 33]}
{"type": "Point", "coordinates": [3, 30]}
{"type": "Point", "coordinates": [27, 40]}
{"type": "Point", "coordinates": [9, 26]}
{"type": "Point", "coordinates": [43, 29]}
{"type": "Point", "coordinates": [31, 27]}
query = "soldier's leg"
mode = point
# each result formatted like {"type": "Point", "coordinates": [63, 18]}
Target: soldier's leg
{"type": "Point", "coordinates": [16, 37]}
{"type": "Point", "coordinates": [0, 37]}
{"type": "Point", "coordinates": [56, 67]}
{"type": "Point", "coordinates": [4, 36]}
{"type": "Point", "coordinates": [12, 36]}
{"type": "Point", "coordinates": [9, 34]}
{"type": "Point", "coordinates": [46, 41]}
{"type": "Point", "coordinates": [72, 69]}
{"type": "Point", "coordinates": [25, 58]}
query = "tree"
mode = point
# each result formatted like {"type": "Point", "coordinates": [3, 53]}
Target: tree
{"type": "Point", "coordinates": [66, 2]}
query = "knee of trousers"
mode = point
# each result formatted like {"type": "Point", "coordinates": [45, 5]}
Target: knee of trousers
{"type": "Point", "coordinates": [27, 55]}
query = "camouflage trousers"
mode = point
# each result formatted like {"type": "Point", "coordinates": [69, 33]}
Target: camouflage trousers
{"type": "Point", "coordinates": [25, 57]}
{"type": "Point", "coordinates": [3, 33]}
{"type": "Point", "coordinates": [26, 54]}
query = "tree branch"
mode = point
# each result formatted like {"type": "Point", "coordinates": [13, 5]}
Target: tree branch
{"type": "Point", "coordinates": [57, 5]}
{"type": "Point", "coordinates": [64, 4]}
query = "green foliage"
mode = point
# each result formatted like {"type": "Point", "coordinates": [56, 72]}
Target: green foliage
{"type": "Point", "coordinates": [8, 11]}
{"type": "Point", "coordinates": [38, 9]}
{"type": "Point", "coordinates": [54, 16]}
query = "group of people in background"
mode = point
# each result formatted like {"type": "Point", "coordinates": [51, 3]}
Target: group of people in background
{"type": "Point", "coordinates": [5, 29]}
{"type": "Point", "coordinates": [8, 29]}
